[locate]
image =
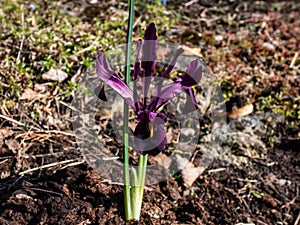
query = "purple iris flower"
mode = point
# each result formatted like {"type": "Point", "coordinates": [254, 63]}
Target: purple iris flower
{"type": "Point", "coordinates": [149, 133]}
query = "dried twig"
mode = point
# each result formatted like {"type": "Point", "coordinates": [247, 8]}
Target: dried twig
{"type": "Point", "coordinates": [89, 47]}
{"type": "Point", "coordinates": [57, 132]}
{"type": "Point", "coordinates": [45, 155]}
{"type": "Point", "coordinates": [72, 164]}
{"type": "Point", "coordinates": [297, 220]}
{"type": "Point", "coordinates": [68, 105]}
{"type": "Point", "coordinates": [48, 165]}
{"type": "Point", "coordinates": [12, 120]}
{"type": "Point", "coordinates": [6, 157]}
{"type": "Point", "coordinates": [294, 60]}
{"type": "Point", "coordinates": [42, 190]}
{"type": "Point", "coordinates": [239, 197]}
{"type": "Point", "coordinates": [3, 161]}
{"type": "Point", "coordinates": [137, 21]}
{"type": "Point", "coordinates": [216, 170]}
{"type": "Point", "coordinates": [190, 3]}
{"type": "Point", "coordinates": [23, 34]}
{"type": "Point", "coordinates": [36, 129]}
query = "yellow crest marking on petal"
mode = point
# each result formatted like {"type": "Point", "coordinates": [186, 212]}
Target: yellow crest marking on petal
{"type": "Point", "coordinates": [151, 127]}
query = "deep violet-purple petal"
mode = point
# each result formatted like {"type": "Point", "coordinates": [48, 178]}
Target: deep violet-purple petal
{"type": "Point", "coordinates": [106, 74]}
{"type": "Point", "coordinates": [193, 74]}
{"type": "Point", "coordinates": [191, 77]}
{"type": "Point", "coordinates": [100, 92]}
{"type": "Point", "coordinates": [146, 144]}
{"type": "Point", "coordinates": [137, 64]}
{"type": "Point", "coordinates": [149, 52]}
{"type": "Point", "coordinates": [122, 89]}
{"type": "Point", "coordinates": [168, 92]}
{"type": "Point", "coordinates": [103, 68]}
{"type": "Point", "coordinates": [173, 62]}
{"type": "Point", "coordinates": [136, 72]}
{"type": "Point", "coordinates": [150, 136]}
{"type": "Point", "coordinates": [155, 100]}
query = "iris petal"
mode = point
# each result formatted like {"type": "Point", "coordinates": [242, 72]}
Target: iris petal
{"type": "Point", "coordinates": [136, 71]}
{"type": "Point", "coordinates": [173, 62]}
{"type": "Point", "coordinates": [191, 77]}
{"type": "Point", "coordinates": [137, 60]}
{"type": "Point", "coordinates": [150, 138]}
{"type": "Point", "coordinates": [168, 92]}
{"type": "Point", "coordinates": [107, 75]}
{"type": "Point", "coordinates": [150, 135]}
{"type": "Point", "coordinates": [150, 47]}
{"type": "Point", "coordinates": [193, 74]}
{"type": "Point", "coordinates": [100, 92]}
{"type": "Point", "coordinates": [155, 100]}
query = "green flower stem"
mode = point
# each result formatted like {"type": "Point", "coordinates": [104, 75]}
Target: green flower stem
{"type": "Point", "coordinates": [138, 183]}
{"type": "Point", "coordinates": [127, 200]}
{"type": "Point", "coordinates": [133, 194]}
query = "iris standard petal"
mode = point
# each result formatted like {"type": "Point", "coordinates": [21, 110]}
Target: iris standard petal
{"type": "Point", "coordinates": [107, 75]}
{"type": "Point", "coordinates": [137, 64]}
{"type": "Point", "coordinates": [173, 62]}
{"type": "Point", "coordinates": [155, 100]}
{"type": "Point", "coordinates": [191, 77]}
{"type": "Point", "coordinates": [136, 72]}
{"type": "Point", "coordinates": [193, 74]}
{"type": "Point", "coordinates": [148, 59]}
